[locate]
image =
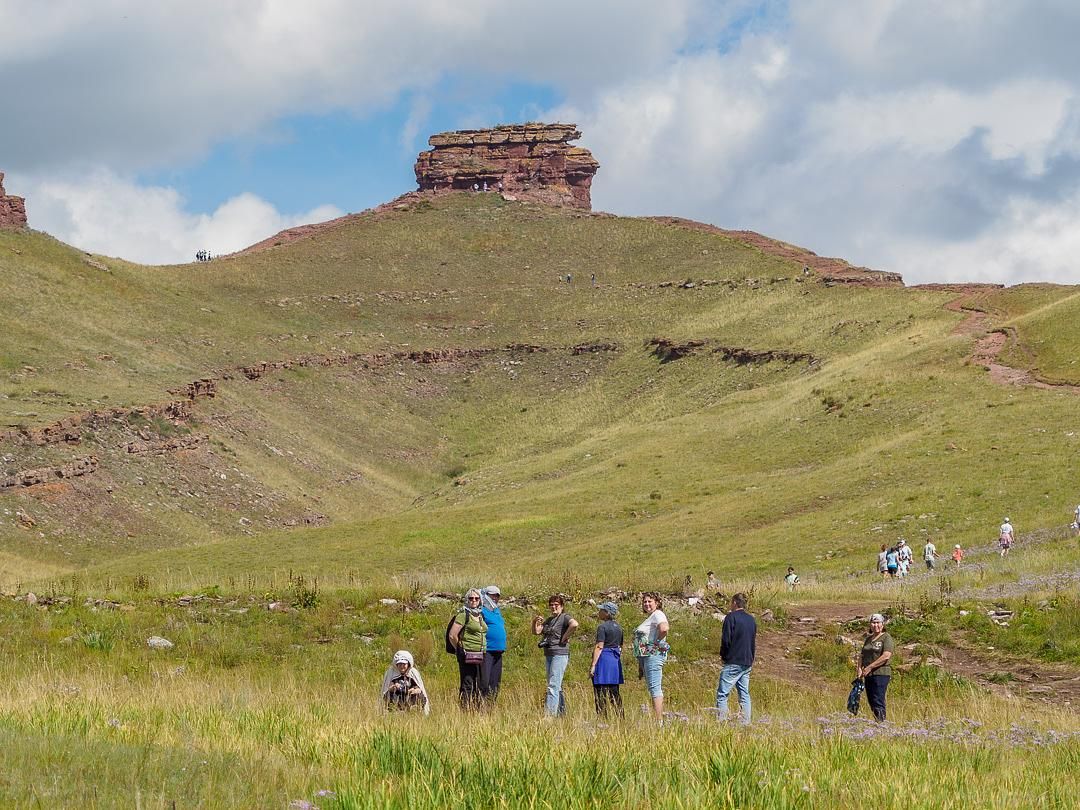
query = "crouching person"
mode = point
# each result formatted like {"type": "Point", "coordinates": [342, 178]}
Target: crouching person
{"type": "Point", "coordinates": [403, 687]}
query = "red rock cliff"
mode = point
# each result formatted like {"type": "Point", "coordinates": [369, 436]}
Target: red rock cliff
{"type": "Point", "coordinates": [12, 209]}
{"type": "Point", "coordinates": [531, 161]}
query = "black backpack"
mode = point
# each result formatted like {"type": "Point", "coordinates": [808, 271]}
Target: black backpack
{"type": "Point", "coordinates": [450, 648]}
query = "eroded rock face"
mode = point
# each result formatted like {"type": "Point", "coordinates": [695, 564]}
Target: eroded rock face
{"type": "Point", "coordinates": [12, 209]}
{"type": "Point", "coordinates": [530, 161]}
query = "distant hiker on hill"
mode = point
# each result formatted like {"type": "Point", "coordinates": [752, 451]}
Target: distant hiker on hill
{"type": "Point", "coordinates": [402, 686]}
{"type": "Point", "coordinates": [711, 582]}
{"type": "Point", "coordinates": [491, 673]}
{"type": "Point", "coordinates": [569, 278]}
{"type": "Point", "coordinates": [929, 554]}
{"type": "Point", "coordinates": [554, 632]}
{"type": "Point", "coordinates": [792, 579]}
{"type": "Point", "coordinates": [957, 555]}
{"type": "Point", "coordinates": [592, 278]}
{"type": "Point", "coordinates": [1005, 537]}
{"type": "Point", "coordinates": [904, 556]}
{"type": "Point", "coordinates": [475, 186]}
{"type": "Point", "coordinates": [606, 669]}
{"type": "Point", "coordinates": [468, 635]}
{"type": "Point", "coordinates": [1076, 521]}
{"type": "Point", "coordinates": [883, 561]}
{"type": "Point", "coordinates": [738, 646]}
{"type": "Point", "coordinates": [651, 649]}
{"type": "Point", "coordinates": [485, 185]}
{"type": "Point", "coordinates": [892, 561]}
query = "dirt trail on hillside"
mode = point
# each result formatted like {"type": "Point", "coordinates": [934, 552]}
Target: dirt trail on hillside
{"type": "Point", "coordinates": [972, 302]}
{"type": "Point", "coordinates": [778, 656]}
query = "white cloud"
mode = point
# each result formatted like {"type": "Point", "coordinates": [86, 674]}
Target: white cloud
{"type": "Point", "coordinates": [102, 212]}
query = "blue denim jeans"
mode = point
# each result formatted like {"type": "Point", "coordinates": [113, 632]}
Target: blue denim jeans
{"type": "Point", "coordinates": [555, 701]}
{"type": "Point", "coordinates": [653, 668]}
{"type": "Point", "coordinates": [738, 676]}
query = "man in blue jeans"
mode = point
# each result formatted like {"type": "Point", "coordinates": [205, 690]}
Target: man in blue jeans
{"type": "Point", "coordinates": [738, 640]}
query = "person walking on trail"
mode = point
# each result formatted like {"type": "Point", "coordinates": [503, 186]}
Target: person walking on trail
{"type": "Point", "coordinates": [904, 556]}
{"type": "Point", "coordinates": [883, 562]}
{"type": "Point", "coordinates": [491, 672]}
{"type": "Point", "coordinates": [874, 666]}
{"type": "Point", "coordinates": [468, 635]}
{"type": "Point", "coordinates": [892, 561]}
{"type": "Point", "coordinates": [651, 649]}
{"type": "Point", "coordinates": [606, 670]}
{"type": "Point", "coordinates": [929, 554]}
{"type": "Point", "coordinates": [738, 645]}
{"type": "Point", "coordinates": [554, 632]}
{"type": "Point", "coordinates": [1005, 537]}
{"type": "Point", "coordinates": [957, 555]}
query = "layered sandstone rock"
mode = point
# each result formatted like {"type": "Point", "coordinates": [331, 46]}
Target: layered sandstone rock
{"type": "Point", "coordinates": [530, 161]}
{"type": "Point", "coordinates": [12, 209]}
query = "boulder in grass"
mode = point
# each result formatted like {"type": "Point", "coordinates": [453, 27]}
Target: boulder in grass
{"type": "Point", "coordinates": [159, 643]}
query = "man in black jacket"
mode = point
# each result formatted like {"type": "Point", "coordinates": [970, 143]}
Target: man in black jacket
{"type": "Point", "coordinates": [737, 646]}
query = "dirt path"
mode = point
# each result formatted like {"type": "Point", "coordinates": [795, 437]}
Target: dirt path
{"type": "Point", "coordinates": [1009, 676]}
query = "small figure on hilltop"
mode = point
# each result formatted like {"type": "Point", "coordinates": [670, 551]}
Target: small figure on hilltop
{"type": "Point", "coordinates": [883, 561]}
{"type": "Point", "coordinates": [1005, 537]}
{"type": "Point", "coordinates": [738, 646]}
{"type": "Point", "coordinates": [606, 669]}
{"type": "Point", "coordinates": [957, 555]}
{"type": "Point", "coordinates": [569, 278]}
{"type": "Point", "coordinates": [592, 278]}
{"type": "Point", "coordinates": [929, 554]}
{"type": "Point", "coordinates": [403, 687]}
{"type": "Point", "coordinates": [904, 556]}
{"type": "Point", "coordinates": [1076, 521]}
{"type": "Point", "coordinates": [711, 582]}
{"type": "Point", "coordinates": [792, 579]}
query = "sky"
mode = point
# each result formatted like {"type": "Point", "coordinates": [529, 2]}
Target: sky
{"type": "Point", "coordinates": [938, 140]}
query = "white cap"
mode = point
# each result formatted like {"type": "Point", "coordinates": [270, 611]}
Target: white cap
{"type": "Point", "coordinates": [492, 590]}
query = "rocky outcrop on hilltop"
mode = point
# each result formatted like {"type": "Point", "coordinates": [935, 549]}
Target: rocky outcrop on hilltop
{"type": "Point", "coordinates": [526, 161]}
{"type": "Point", "coordinates": [12, 209]}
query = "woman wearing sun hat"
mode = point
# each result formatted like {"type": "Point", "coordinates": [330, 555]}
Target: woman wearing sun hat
{"type": "Point", "coordinates": [874, 666]}
{"type": "Point", "coordinates": [606, 670]}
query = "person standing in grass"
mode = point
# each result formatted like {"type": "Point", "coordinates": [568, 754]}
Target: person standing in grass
{"type": "Point", "coordinates": [792, 579]}
{"type": "Point", "coordinates": [874, 666]}
{"type": "Point", "coordinates": [892, 561]}
{"type": "Point", "coordinates": [491, 674]}
{"type": "Point", "coordinates": [957, 555]}
{"type": "Point", "coordinates": [468, 634]}
{"type": "Point", "coordinates": [738, 646]}
{"type": "Point", "coordinates": [929, 554]}
{"type": "Point", "coordinates": [904, 557]}
{"type": "Point", "coordinates": [1005, 537]}
{"type": "Point", "coordinates": [651, 649]}
{"type": "Point", "coordinates": [554, 632]}
{"type": "Point", "coordinates": [606, 670]}
{"type": "Point", "coordinates": [403, 687]}
{"type": "Point", "coordinates": [1076, 521]}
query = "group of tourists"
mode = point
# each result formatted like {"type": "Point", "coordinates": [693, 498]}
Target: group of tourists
{"type": "Point", "coordinates": [203, 256]}
{"type": "Point", "coordinates": [895, 561]}
{"type": "Point", "coordinates": [476, 636]}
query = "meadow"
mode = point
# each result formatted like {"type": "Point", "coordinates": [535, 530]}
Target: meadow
{"type": "Point", "coordinates": [547, 444]}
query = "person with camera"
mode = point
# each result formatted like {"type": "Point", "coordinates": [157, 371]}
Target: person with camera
{"type": "Point", "coordinates": [468, 635]}
{"type": "Point", "coordinates": [554, 632]}
{"type": "Point", "coordinates": [651, 649]}
{"type": "Point", "coordinates": [403, 687]}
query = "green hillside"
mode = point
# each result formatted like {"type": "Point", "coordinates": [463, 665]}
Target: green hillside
{"type": "Point", "coordinates": [610, 460]}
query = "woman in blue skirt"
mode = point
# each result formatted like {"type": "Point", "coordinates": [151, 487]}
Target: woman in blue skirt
{"type": "Point", "coordinates": [606, 669]}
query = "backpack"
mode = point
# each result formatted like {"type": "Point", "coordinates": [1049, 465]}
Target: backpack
{"type": "Point", "coordinates": [450, 648]}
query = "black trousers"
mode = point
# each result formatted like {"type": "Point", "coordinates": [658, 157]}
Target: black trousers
{"type": "Point", "coordinates": [606, 696]}
{"type": "Point", "coordinates": [470, 676]}
{"type": "Point", "coordinates": [491, 675]}
{"type": "Point", "coordinates": [875, 694]}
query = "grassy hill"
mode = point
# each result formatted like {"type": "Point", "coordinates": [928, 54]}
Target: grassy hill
{"type": "Point", "coordinates": [613, 460]}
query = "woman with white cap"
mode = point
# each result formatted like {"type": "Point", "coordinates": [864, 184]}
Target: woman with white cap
{"type": "Point", "coordinates": [402, 686]}
{"type": "Point", "coordinates": [491, 673]}
{"type": "Point", "coordinates": [606, 670]}
{"type": "Point", "coordinates": [874, 667]}
{"type": "Point", "coordinates": [1005, 537]}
